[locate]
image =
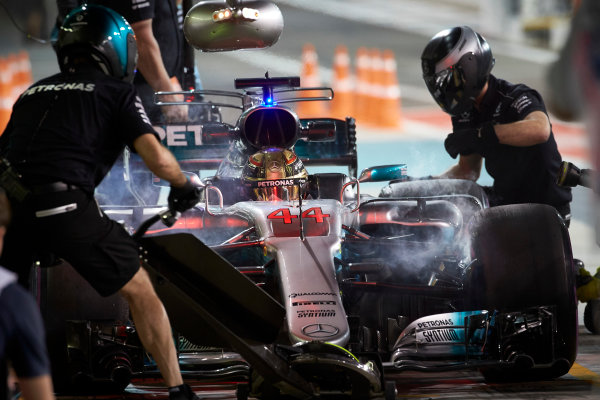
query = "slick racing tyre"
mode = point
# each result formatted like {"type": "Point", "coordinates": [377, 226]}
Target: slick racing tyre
{"type": "Point", "coordinates": [523, 259]}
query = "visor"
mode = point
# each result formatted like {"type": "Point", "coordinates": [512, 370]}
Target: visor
{"type": "Point", "coordinates": [283, 193]}
{"type": "Point", "coordinates": [450, 87]}
{"type": "Point", "coordinates": [447, 88]}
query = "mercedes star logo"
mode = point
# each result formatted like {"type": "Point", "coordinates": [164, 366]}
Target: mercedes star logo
{"type": "Point", "coordinates": [320, 330]}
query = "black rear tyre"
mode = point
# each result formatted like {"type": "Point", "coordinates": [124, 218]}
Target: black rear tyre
{"type": "Point", "coordinates": [525, 260]}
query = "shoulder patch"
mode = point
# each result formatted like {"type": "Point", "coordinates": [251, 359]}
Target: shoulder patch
{"type": "Point", "coordinates": [521, 102]}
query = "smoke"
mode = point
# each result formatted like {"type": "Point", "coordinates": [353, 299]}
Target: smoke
{"type": "Point", "coordinates": [431, 219]}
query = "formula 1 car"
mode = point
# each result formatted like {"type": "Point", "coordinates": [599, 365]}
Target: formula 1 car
{"type": "Point", "coordinates": [334, 287]}
{"type": "Point", "coordinates": [320, 289]}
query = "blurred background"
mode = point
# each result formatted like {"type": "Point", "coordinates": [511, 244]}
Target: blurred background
{"type": "Point", "coordinates": [524, 35]}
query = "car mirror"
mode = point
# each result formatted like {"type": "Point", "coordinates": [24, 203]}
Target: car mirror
{"type": "Point", "coordinates": [232, 25]}
{"type": "Point", "coordinates": [383, 173]}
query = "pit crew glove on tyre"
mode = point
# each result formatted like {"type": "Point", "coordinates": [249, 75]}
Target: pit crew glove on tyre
{"type": "Point", "coordinates": [183, 198]}
{"type": "Point", "coordinates": [471, 140]}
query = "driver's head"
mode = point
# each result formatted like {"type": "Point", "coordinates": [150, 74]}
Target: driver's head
{"type": "Point", "coordinates": [456, 64]}
{"type": "Point", "coordinates": [274, 174]}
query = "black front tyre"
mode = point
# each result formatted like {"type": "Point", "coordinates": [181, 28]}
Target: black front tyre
{"type": "Point", "coordinates": [524, 259]}
{"type": "Point", "coordinates": [390, 390]}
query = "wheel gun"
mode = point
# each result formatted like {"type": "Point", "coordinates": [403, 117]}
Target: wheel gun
{"type": "Point", "coordinates": [569, 175]}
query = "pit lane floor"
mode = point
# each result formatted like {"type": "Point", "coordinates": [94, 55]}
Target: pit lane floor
{"type": "Point", "coordinates": [582, 382]}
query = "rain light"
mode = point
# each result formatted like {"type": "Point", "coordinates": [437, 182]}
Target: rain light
{"type": "Point", "coordinates": [222, 15]}
{"type": "Point", "coordinates": [225, 14]}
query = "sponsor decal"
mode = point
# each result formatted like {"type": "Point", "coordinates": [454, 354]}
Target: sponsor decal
{"type": "Point", "coordinates": [275, 183]}
{"type": "Point", "coordinates": [274, 166]}
{"type": "Point", "coordinates": [498, 110]}
{"type": "Point", "coordinates": [315, 313]}
{"type": "Point", "coordinates": [294, 295]}
{"type": "Point", "coordinates": [179, 135]}
{"type": "Point", "coordinates": [320, 330]}
{"type": "Point", "coordinates": [313, 302]}
{"type": "Point", "coordinates": [438, 336]}
{"type": "Point", "coordinates": [465, 117]}
{"type": "Point", "coordinates": [84, 87]}
{"type": "Point", "coordinates": [434, 323]}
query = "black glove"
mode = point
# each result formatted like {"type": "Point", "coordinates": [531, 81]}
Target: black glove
{"type": "Point", "coordinates": [183, 198]}
{"type": "Point", "coordinates": [471, 140]}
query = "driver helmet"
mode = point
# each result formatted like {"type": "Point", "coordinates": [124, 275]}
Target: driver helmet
{"type": "Point", "coordinates": [456, 64]}
{"type": "Point", "coordinates": [275, 174]}
{"type": "Point", "coordinates": [99, 33]}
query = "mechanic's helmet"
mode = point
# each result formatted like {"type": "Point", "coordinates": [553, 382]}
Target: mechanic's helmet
{"type": "Point", "coordinates": [456, 64]}
{"type": "Point", "coordinates": [274, 174]}
{"type": "Point", "coordinates": [102, 34]}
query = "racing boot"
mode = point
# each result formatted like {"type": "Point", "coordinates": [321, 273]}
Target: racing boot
{"type": "Point", "coordinates": [182, 392]}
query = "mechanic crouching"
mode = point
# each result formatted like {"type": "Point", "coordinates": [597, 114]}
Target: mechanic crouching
{"type": "Point", "coordinates": [503, 123]}
{"type": "Point", "coordinates": [64, 134]}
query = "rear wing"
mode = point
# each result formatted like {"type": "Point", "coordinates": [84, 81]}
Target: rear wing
{"type": "Point", "coordinates": [339, 152]}
{"type": "Point", "coordinates": [204, 146]}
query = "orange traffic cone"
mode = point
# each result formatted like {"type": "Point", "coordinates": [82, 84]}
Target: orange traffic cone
{"type": "Point", "coordinates": [362, 87]}
{"type": "Point", "coordinates": [343, 85]}
{"type": "Point", "coordinates": [389, 108]}
{"type": "Point", "coordinates": [13, 65]}
{"type": "Point", "coordinates": [375, 87]}
{"type": "Point", "coordinates": [6, 101]}
{"type": "Point", "coordinates": [309, 77]}
{"type": "Point", "coordinates": [22, 73]}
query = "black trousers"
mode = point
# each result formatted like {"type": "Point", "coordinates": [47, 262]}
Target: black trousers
{"type": "Point", "coordinates": [70, 225]}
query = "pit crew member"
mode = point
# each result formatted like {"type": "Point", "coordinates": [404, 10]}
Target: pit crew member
{"type": "Point", "coordinates": [503, 123]}
{"type": "Point", "coordinates": [64, 133]}
{"type": "Point", "coordinates": [160, 46]}
{"type": "Point", "coordinates": [20, 327]}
